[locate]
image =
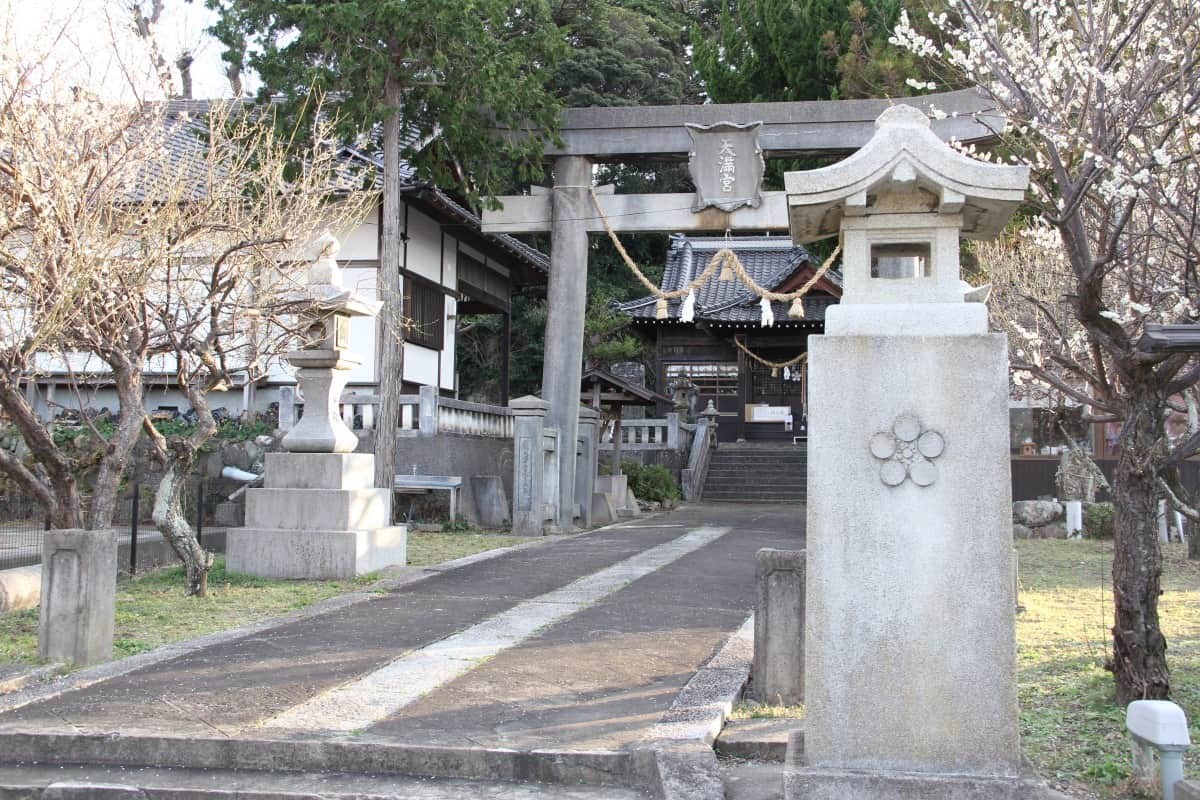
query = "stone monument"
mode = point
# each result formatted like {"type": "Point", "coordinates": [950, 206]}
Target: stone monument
{"type": "Point", "coordinates": [319, 514]}
{"type": "Point", "coordinates": [910, 647]}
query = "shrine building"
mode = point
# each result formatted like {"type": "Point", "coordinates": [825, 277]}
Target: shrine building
{"type": "Point", "coordinates": [726, 353]}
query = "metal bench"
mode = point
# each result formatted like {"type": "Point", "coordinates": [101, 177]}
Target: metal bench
{"type": "Point", "coordinates": [424, 484]}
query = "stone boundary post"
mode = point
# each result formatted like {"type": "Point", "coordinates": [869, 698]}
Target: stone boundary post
{"type": "Point", "coordinates": [529, 419]}
{"type": "Point", "coordinates": [589, 461]}
{"type": "Point", "coordinates": [673, 430]}
{"type": "Point", "coordinates": [79, 585]}
{"type": "Point", "coordinates": [427, 416]}
{"type": "Point", "coordinates": [777, 674]}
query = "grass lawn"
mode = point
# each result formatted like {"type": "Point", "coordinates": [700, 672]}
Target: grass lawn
{"type": "Point", "coordinates": [1071, 728]}
{"type": "Point", "coordinates": [152, 611]}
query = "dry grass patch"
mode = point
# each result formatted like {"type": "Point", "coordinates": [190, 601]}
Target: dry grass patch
{"type": "Point", "coordinates": [1071, 727]}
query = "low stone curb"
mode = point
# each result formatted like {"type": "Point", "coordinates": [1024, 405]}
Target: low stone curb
{"type": "Point", "coordinates": [682, 740]}
{"type": "Point", "coordinates": [21, 678]}
{"type": "Point", "coordinates": [699, 711]}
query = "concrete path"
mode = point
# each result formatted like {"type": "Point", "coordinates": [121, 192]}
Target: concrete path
{"type": "Point", "coordinates": [580, 645]}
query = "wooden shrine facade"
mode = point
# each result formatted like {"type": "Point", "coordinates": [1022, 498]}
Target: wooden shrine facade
{"type": "Point", "coordinates": [699, 361]}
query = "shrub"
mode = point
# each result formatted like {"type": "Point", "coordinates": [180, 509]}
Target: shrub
{"type": "Point", "coordinates": [654, 483]}
{"type": "Point", "coordinates": [1098, 520]}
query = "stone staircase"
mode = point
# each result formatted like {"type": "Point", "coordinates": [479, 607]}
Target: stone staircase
{"type": "Point", "coordinates": [757, 472]}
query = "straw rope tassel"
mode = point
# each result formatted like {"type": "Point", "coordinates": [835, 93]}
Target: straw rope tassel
{"type": "Point", "coordinates": [726, 267]}
{"type": "Point", "coordinates": [797, 309]}
{"type": "Point", "coordinates": [660, 308]}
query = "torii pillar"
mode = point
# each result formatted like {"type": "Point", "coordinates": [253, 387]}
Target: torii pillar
{"type": "Point", "coordinates": [566, 304]}
{"type": "Point", "coordinates": [623, 135]}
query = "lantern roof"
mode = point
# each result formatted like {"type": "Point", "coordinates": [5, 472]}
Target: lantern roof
{"type": "Point", "coordinates": [904, 158]}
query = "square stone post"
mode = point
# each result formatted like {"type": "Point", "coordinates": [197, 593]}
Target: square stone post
{"type": "Point", "coordinates": [566, 305]}
{"type": "Point", "coordinates": [287, 408]}
{"type": "Point", "coordinates": [529, 419]}
{"type": "Point", "coordinates": [428, 414]}
{"type": "Point", "coordinates": [673, 430]}
{"type": "Point", "coordinates": [777, 673]}
{"type": "Point", "coordinates": [589, 462]}
{"type": "Point", "coordinates": [79, 585]}
{"type": "Point", "coordinates": [552, 447]}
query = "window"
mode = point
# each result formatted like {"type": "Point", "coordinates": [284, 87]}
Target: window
{"type": "Point", "coordinates": [898, 261]}
{"type": "Point", "coordinates": [710, 379]}
{"type": "Point", "coordinates": [424, 313]}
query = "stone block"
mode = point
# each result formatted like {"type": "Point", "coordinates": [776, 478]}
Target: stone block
{"type": "Point", "coordinates": [830, 784]}
{"type": "Point", "coordinates": [1021, 532]}
{"type": "Point", "coordinates": [1056, 530]}
{"type": "Point", "coordinates": [1036, 513]}
{"type": "Point", "coordinates": [1187, 790]}
{"type": "Point", "coordinates": [20, 588]}
{"type": "Point", "coordinates": [491, 502]}
{"type": "Point", "coordinates": [318, 509]}
{"type": "Point", "coordinates": [314, 554]}
{"type": "Point", "coordinates": [79, 584]}
{"type": "Point", "coordinates": [604, 511]}
{"type": "Point", "coordinates": [319, 471]}
{"type": "Point", "coordinates": [778, 672]}
{"type": "Point", "coordinates": [616, 487]}
{"type": "Point", "coordinates": [229, 514]}
{"type": "Point", "coordinates": [910, 658]}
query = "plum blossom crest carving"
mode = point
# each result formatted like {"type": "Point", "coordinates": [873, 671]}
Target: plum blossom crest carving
{"type": "Point", "coordinates": [907, 452]}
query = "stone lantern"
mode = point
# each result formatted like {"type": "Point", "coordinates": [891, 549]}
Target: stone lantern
{"type": "Point", "coordinates": [324, 361]}
{"type": "Point", "coordinates": [319, 514]}
{"type": "Point", "coordinates": [909, 677]}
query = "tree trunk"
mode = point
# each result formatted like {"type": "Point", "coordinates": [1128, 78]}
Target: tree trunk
{"type": "Point", "coordinates": [56, 488]}
{"type": "Point", "coordinates": [168, 500]}
{"type": "Point", "coordinates": [172, 523]}
{"type": "Point", "coordinates": [1139, 661]}
{"type": "Point", "coordinates": [128, 382]}
{"type": "Point", "coordinates": [391, 329]}
{"type": "Point", "coordinates": [1193, 540]}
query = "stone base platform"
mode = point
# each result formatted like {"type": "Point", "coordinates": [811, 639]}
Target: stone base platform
{"type": "Point", "coordinates": [807, 783]}
{"type": "Point", "coordinates": [315, 555]}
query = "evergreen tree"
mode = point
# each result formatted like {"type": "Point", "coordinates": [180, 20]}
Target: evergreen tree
{"type": "Point", "coordinates": [776, 50]}
{"type": "Point", "coordinates": [438, 77]}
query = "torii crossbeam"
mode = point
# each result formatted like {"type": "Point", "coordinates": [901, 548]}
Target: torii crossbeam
{"type": "Point", "coordinates": [626, 134]}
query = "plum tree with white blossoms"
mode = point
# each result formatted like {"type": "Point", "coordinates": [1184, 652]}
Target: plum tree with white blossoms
{"type": "Point", "coordinates": [1103, 102]}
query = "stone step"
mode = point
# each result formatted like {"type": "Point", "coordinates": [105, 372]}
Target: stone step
{"type": "Point", "coordinates": [745, 497]}
{"type": "Point", "coordinates": [121, 782]}
{"type": "Point", "coordinates": [363, 755]}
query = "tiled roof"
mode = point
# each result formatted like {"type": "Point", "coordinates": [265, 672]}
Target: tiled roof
{"type": "Point", "coordinates": [185, 149]}
{"type": "Point", "coordinates": [769, 260]}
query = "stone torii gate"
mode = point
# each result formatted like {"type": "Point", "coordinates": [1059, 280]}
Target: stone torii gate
{"type": "Point", "coordinates": [626, 134]}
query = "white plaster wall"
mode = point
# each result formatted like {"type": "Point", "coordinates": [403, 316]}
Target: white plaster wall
{"type": "Point", "coordinates": [424, 246]}
{"type": "Point", "coordinates": [363, 330]}
{"type": "Point", "coordinates": [450, 262]}
{"type": "Point", "coordinates": [361, 242]}
{"type": "Point", "coordinates": [420, 364]}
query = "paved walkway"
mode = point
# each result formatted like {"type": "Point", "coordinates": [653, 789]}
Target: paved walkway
{"type": "Point", "coordinates": [576, 645]}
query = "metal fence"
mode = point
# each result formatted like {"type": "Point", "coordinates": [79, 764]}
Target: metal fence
{"type": "Point", "coordinates": [22, 521]}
